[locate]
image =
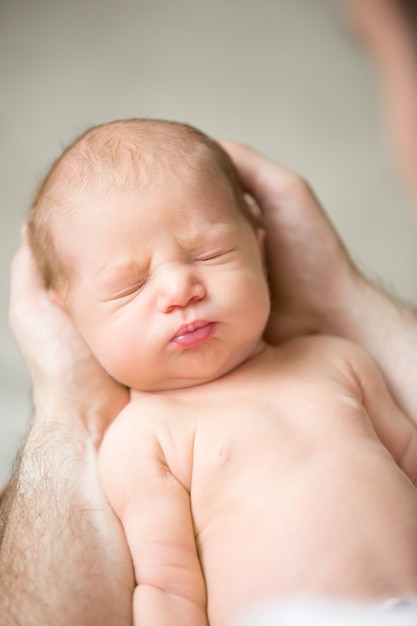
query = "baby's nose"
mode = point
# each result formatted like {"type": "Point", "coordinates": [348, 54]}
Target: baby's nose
{"type": "Point", "coordinates": [179, 286]}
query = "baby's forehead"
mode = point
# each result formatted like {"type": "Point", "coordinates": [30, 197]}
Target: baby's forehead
{"type": "Point", "coordinates": [118, 157]}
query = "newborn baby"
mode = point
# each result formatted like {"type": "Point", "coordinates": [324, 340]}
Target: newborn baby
{"type": "Point", "coordinates": [240, 471]}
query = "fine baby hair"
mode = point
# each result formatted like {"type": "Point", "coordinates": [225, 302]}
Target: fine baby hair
{"type": "Point", "coordinates": [120, 155]}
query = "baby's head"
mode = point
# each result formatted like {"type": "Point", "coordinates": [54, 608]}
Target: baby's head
{"type": "Point", "coordinates": [143, 235]}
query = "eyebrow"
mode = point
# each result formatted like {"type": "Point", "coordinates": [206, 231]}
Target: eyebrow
{"type": "Point", "coordinates": [216, 231]}
{"type": "Point", "coordinates": [133, 270]}
{"type": "Point", "coordinates": [120, 270]}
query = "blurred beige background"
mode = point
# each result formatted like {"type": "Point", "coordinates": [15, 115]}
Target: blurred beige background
{"type": "Point", "coordinates": [283, 75]}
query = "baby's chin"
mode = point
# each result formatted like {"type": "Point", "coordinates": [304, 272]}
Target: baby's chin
{"type": "Point", "coordinates": [176, 384]}
{"type": "Point", "coordinates": [196, 378]}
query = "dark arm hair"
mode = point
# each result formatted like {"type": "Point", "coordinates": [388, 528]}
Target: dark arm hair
{"type": "Point", "coordinates": [63, 558]}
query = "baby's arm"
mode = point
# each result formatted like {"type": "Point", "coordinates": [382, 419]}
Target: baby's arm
{"type": "Point", "coordinates": [155, 510]}
{"type": "Point", "coordinates": [395, 430]}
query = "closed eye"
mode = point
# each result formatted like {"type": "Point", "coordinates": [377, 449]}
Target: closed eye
{"type": "Point", "coordinates": [125, 293]}
{"type": "Point", "coordinates": [214, 255]}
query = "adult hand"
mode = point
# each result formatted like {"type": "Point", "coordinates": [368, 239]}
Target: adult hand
{"type": "Point", "coordinates": [62, 368]}
{"type": "Point", "coordinates": [315, 286]}
{"type": "Point", "coordinates": [310, 272]}
{"type": "Point", "coordinates": [57, 531]}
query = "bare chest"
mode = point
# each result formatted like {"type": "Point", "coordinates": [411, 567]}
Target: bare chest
{"type": "Point", "coordinates": [275, 422]}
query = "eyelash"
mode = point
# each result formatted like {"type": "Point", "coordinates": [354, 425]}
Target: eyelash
{"type": "Point", "coordinates": [131, 291]}
{"type": "Point", "coordinates": [213, 256]}
{"type": "Point", "coordinates": [199, 259]}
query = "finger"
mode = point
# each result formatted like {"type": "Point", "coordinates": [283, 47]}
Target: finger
{"type": "Point", "coordinates": [26, 287]}
{"type": "Point", "coordinates": [261, 177]}
{"type": "Point", "coordinates": [25, 276]}
{"type": "Point", "coordinates": [280, 192]}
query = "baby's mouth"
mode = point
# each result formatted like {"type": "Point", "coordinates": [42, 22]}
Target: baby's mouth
{"type": "Point", "coordinates": [193, 334]}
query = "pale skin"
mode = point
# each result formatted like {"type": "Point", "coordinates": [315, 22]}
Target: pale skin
{"type": "Point", "coordinates": [292, 214]}
{"type": "Point", "coordinates": [217, 478]}
{"type": "Point", "coordinates": [387, 28]}
{"type": "Point", "coordinates": [57, 531]}
{"type": "Point", "coordinates": [317, 289]}
{"type": "Point", "coordinates": [233, 456]}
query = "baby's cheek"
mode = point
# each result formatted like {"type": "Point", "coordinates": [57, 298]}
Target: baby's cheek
{"type": "Point", "coordinates": [111, 349]}
{"type": "Point", "coordinates": [132, 365]}
{"type": "Point", "coordinates": [259, 305]}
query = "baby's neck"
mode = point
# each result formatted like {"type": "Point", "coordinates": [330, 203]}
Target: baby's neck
{"type": "Point", "coordinates": [256, 357]}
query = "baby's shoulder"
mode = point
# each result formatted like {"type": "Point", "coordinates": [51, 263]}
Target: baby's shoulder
{"type": "Point", "coordinates": [143, 415]}
{"type": "Point", "coordinates": [148, 426]}
{"type": "Point", "coordinates": [326, 353]}
{"type": "Point", "coordinates": [311, 345]}
{"type": "Point", "coordinates": [128, 427]}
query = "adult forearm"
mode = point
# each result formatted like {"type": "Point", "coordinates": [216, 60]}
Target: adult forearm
{"type": "Point", "coordinates": [63, 558]}
{"type": "Point", "coordinates": [388, 330]}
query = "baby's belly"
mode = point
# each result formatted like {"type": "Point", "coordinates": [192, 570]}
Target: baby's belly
{"type": "Point", "coordinates": [342, 523]}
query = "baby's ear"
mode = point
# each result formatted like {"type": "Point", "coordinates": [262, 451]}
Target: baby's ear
{"type": "Point", "coordinates": [57, 298]}
{"type": "Point", "coordinates": [261, 236]}
{"type": "Point", "coordinates": [253, 207]}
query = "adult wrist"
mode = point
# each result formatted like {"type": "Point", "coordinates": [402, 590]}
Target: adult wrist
{"type": "Point", "coordinates": [387, 329]}
{"type": "Point", "coordinates": [365, 313]}
{"type": "Point", "coordinates": [84, 417]}
{"type": "Point", "coordinates": [340, 314]}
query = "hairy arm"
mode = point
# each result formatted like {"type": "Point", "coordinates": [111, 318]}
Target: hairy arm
{"type": "Point", "coordinates": [63, 557]}
{"type": "Point", "coordinates": [155, 510]}
{"type": "Point", "coordinates": [63, 554]}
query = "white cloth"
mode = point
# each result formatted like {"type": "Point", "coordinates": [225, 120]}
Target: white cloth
{"type": "Point", "coordinates": [325, 612]}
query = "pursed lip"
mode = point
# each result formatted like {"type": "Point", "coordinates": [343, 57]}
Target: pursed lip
{"type": "Point", "coordinates": [184, 329]}
{"type": "Point", "coordinates": [193, 333]}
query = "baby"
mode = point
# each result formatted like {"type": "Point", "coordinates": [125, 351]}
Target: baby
{"type": "Point", "coordinates": [240, 471]}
